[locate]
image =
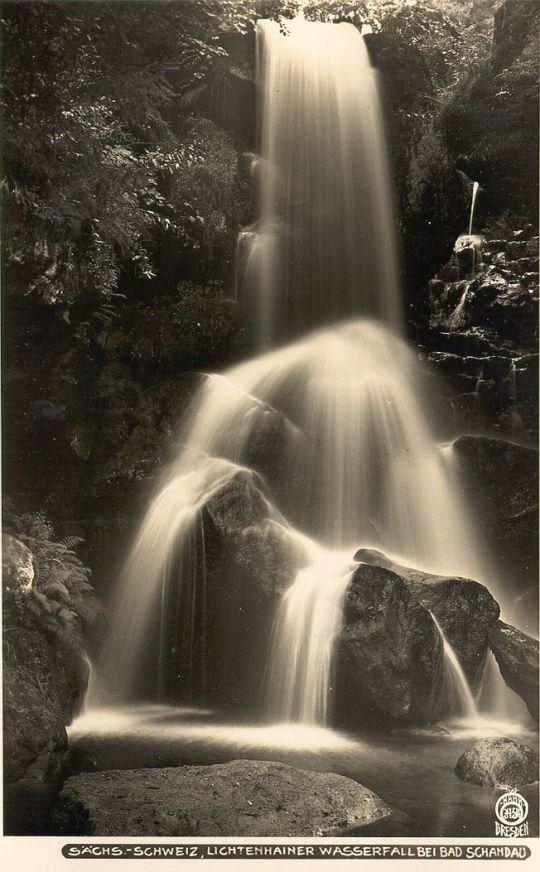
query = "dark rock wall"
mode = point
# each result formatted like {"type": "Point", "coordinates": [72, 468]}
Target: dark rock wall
{"type": "Point", "coordinates": [483, 333]}
{"type": "Point", "coordinates": [47, 607]}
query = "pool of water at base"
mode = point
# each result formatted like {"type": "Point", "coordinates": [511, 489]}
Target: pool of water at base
{"type": "Point", "coordinates": [412, 770]}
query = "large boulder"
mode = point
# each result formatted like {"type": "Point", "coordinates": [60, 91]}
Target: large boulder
{"type": "Point", "coordinates": [465, 610]}
{"type": "Point", "coordinates": [247, 531]}
{"type": "Point", "coordinates": [250, 559]}
{"type": "Point", "coordinates": [499, 763]}
{"type": "Point", "coordinates": [389, 652]}
{"type": "Point", "coordinates": [517, 656]}
{"type": "Point", "coordinates": [240, 798]}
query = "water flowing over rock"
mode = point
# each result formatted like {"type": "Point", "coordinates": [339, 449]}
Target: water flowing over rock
{"type": "Point", "coordinates": [464, 608]}
{"type": "Point", "coordinates": [499, 763]}
{"type": "Point", "coordinates": [241, 798]}
{"type": "Point", "coordinates": [389, 653]}
{"type": "Point", "coordinates": [517, 656]}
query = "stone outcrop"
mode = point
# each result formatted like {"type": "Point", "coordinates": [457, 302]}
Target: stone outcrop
{"type": "Point", "coordinates": [502, 478]}
{"type": "Point", "coordinates": [240, 798]}
{"type": "Point", "coordinates": [465, 609]}
{"type": "Point", "coordinates": [483, 333]}
{"type": "Point", "coordinates": [498, 763]}
{"type": "Point", "coordinates": [517, 656]}
{"type": "Point", "coordinates": [389, 652]}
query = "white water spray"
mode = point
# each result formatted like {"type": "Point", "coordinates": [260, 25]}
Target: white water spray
{"type": "Point", "coordinates": [301, 673]}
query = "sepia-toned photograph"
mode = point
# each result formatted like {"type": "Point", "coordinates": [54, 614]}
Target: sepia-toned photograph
{"type": "Point", "coordinates": [270, 422]}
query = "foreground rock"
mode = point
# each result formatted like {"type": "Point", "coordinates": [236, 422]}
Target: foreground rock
{"type": "Point", "coordinates": [465, 609]}
{"type": "Point", "coordinates": [389, 653]}
{"type": "Point", "coordinates": [517, 656]}
{"type": "Point", "coordinates": [46, 601]}
{"type": "Point", "coordinates": [240, 798]}
{"type": "Point", "coordinates": [499, 763]}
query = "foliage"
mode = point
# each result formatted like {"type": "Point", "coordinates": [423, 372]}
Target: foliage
{"type": "Point", "coordinates": [448, 33]}
{"type": "Point", "coordinates": [93, 137]}
{"type": "Point", "coordinates": [61, 598]}
{"type": "Point", "coordinates": [192, 329]}
{"type": "Point", "coordinates": [429, 169]}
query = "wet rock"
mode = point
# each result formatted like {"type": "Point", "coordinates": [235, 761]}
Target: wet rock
{"type": "Point", "coordinates": [17, 565]}
{"type": "Point", "coordinates": [389, 651]}
{"type": "Point", "coordinates": [240, 798]}
{"type": "Point", "coordinates": [464, 608]}
{"type": "Point", "coordinates": [268, 554]}
{"type": "Point", "coordinates": [517, 249]}
{"type": "Point", "coordinates": [529, 279]}
{"type": "Point", "coordinates": [249, 560]}
{"type": "Point", "coordinates": [498, 763]}
{"type": "Point", "coordinates": [517, 656]}
{"type": "Point", "coordinates": [273, 445]}
{"type": "Point", "coordinates": [239, 504]}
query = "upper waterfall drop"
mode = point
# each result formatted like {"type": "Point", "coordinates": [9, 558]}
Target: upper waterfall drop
{"type": "Point", "coordinates": [324, 246]}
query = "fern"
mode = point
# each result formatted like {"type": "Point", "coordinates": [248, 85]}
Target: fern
{"type": "Point", "coordinates": [61, 598]}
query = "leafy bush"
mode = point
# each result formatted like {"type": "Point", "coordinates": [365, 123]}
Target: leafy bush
{"type": "Point", "coordinates": [196, 328]}
{"type": "Point", "coordinates": [61, 598]}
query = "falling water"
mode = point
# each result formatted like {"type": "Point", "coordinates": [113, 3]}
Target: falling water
{"type": "Point", "coordinates": [334, 431]}
{"type": "Point", "coordinates": [457, 317]}
{"type": "Point", "coordinates": [473, 203]}
{"type": "Point", "coordinates": [495, 699]}
{"type": "Point", "coordinates": [300, 678]}
{"type": "Point", "coordinates": [170, 524]}
{"type": "Point", "coordinates": [325, 245]}
{"type": "Point", "coordinates": [458, 700]}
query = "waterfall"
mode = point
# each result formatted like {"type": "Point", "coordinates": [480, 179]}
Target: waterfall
{"type": "Point", "coordinates": [325, 245]}
{"type": "Point", "coordinates": [458, 700]}
{"type": "Point", "coordinates": [167, 531]}
{"type": "Point", "coordinates": [456, 319]}
{"type": "Point", "coordinates": [473, 203]}
{"type": "Point", "coordinates": [336, 430]}
{"type": "Point", "coordinates": [300, 678]}
{"type": "Point", "coordinates": [497, 701]}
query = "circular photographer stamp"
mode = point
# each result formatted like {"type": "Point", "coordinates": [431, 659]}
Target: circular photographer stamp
{"type": "Point", "coordinates": [511, 810]}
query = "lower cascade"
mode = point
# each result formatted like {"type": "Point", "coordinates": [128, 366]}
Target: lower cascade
{"type": "Point", "coordinates": [302, 645]}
